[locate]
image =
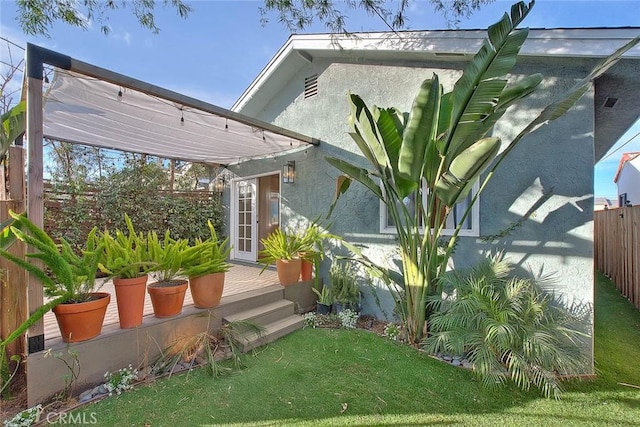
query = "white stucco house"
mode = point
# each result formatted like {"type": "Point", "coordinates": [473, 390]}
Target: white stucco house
{"type": "Point", "coordinates": [548, 178]}
{"type": "Point", "coordinates": [627, 179]}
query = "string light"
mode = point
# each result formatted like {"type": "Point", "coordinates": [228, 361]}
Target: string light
{"type": "Point", "coordinates": [226, 124]}
{"type": "Point", "coordinates": [181, 117]}
{"type": "Point", "coordinates": [120, 94]}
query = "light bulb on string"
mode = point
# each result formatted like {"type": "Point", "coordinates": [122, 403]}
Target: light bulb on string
{"type": "Point", "coordinates": [119, 98]}
{"type": "Point", "coordinates": [181, 117]}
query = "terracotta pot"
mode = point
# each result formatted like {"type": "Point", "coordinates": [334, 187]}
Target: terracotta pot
{"type": "Point", "coordinates": [206, 290]}
{"type": "Point", "coordinates": [167, 297]}
{"type": "Point", "coordinates": [82, 321]}
{"type": "Point", "coordinates": [288, 270]}
{"type": "Point", "coordinates": [306, 271]}
{"type": "Point", "coordinates": [130, 295]}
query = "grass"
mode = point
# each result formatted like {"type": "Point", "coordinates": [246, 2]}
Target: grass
{"type": "Point", "coordinates": [337, 377]}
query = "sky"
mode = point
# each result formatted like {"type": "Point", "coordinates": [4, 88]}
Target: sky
{"type": "Point", "coordinates": [216, 52]}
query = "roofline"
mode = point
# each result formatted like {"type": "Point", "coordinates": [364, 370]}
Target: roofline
{"type": "Point", "coordinates": [624, 159]}
{"type": "Point", "coordinates": [558, 42]}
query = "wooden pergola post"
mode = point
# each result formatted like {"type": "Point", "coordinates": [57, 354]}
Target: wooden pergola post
{"type": "Point", "coordinates": [35, 201]}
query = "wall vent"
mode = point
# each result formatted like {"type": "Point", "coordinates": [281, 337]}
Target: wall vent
{"type": "Point", "coordinates": [610, 102]}
{"type": "Point", "coordinates": [310, 86]}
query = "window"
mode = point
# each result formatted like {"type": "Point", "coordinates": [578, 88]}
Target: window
{"type": "Point", "coordinates": [469, 228]}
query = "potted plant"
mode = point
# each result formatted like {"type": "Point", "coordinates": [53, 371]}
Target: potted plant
{"type": "Point", "coordinates": [167, 292]}
{"type": "Point", "coordinates": [346, 293]}
{"type": "Point", "coordinates": [125, 259]}
{"type": "Point", "coordinates": [68, 278]}
{"type": "Point", "coordinates": [325, 300]}
{"type": "Point", "coordinates": [283, 249]}
{"type": "Point", "coordinates": [312, 249]}
{"type": "Point", "coordinates": [205, 264]}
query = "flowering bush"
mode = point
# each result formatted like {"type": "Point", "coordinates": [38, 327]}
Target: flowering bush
{"type": "Point", "coordinates": [120, 381]}
{"type": "Point", "coordinates": [26, 418]}
{"type": "Point", "coordinates": [392, 331]}
{"type": "Point", "coordinates": [348, 318]}
{"type": "Point", "coordinates": [310, 320]}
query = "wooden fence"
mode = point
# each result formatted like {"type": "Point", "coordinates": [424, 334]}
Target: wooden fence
{"type": "Point", "coordinates": [617, 249]}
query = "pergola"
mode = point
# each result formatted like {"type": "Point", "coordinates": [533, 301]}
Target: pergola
{"type": "Point", "coordinates": [89, 105]}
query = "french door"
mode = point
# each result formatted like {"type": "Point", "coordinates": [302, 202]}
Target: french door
{"type": "Point", "coordinates": [245, 220]}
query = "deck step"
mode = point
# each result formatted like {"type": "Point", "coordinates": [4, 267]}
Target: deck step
{"type": "Point", "coordinates": [271, 332]}
{"type": "Point", "coordinates": [264, 314]}
{"type": "Point", "coordinates": [251, 299]}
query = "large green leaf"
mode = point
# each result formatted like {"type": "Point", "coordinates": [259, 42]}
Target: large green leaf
{"type": "Point", "coordinates": [421, 130]}
{"type": "Point", "coordinates": [14, 124]}
{"type": "Point", "coordinates": [343, 183]}
{"type": "Point", "coordinates": [368, 138]}
{"type": "Point", "coordinates": [558, 108]}
{"type": "Point", "coordinates": [391, 127]}
{"type": "Point", "coordinates": [454, 185]}
{"type": "Point", "coordinates": [509, 96]}
{"type": "Point", "coordinates": [495, 58]}
{"type": "Point", "coordinates": [356, 173]}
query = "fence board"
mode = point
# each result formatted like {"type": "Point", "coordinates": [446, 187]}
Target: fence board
{"type": "Point", "coordinates": [617, 249]}
{"type": "Point", "coordinates": [13, 286]}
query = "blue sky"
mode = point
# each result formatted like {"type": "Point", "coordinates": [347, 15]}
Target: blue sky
{"type": "Point", "coordinates": [217, 52]}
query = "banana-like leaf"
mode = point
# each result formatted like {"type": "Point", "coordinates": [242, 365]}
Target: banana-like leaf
{"type": "Point", "coordinates": [495, 58]}
{"type": "Point", "coordinates": [509, 96]}
{"type": "Point", "coordinates": [14, 124]}
{"type": "Point", "coordinates": [364, 125]}
{"type": "Point", "coordinates": [391, 127]}
{"type": "Point", "coordinates": [342, 185]}
{"type": "Point", "coordinates": [421, 130]}
{"type": "Point", "coordinates": [454, 185]}
{"type": "Point", "coordinates": [558, 108]}
{"type": "Point", "coordinates": [356, 173]}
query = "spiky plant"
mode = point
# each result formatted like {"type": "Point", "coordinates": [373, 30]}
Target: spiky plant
{"type": "Point", "coordinates": [508, 327]}
{"type": "Point", "coordinates": [208, 349]}
{"type": "Point", "coordinates": [280, 244]}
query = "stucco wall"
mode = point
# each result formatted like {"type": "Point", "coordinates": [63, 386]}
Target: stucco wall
{"type": "Point", "coordinates": [549, 174]}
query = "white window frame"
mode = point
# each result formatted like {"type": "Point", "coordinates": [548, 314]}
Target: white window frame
{"type": "Point", "coordinates": [474, 231]}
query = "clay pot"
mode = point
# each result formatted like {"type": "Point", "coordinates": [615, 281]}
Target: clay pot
{"type": "Point", "coordinates": [167, 297]}
{"type": "Point", "coordinates": [206, 290]}
{"type": "Point", "coordinates": [130, 295]}
{"type": "Point", "coordinates": [82, 321]}
{"type": "Point", "coordinates": [306, 271]}
{"type": "Point", "coordinates": [288, 270]}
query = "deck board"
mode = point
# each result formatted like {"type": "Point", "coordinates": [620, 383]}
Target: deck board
{"type": "Point", "coordinates": [240, 278]}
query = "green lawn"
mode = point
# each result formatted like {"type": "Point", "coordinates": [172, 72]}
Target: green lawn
{"type": "Point", "coordinates": [335, 377]}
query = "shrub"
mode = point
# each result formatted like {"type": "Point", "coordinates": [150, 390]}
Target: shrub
{"type": "Point", "coordinates": [117, 382]}
{"type": "Point", "coordinates": [348, 318]}
{"type": "Point", "coordinates": [26, 418]}
{"type": "Point", "coordinates": [508, 327]}
{"type": "Point", "coordinates": [392, 331]}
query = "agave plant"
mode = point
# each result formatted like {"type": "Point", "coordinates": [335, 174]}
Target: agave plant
{"type": "Point", "coordinates": [508, 327]}
{"type": "Point", "coordinates": [438, 151]}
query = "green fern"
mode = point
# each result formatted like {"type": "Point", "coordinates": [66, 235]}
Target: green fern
{"type": "Point", "coordinates": [508, 327]}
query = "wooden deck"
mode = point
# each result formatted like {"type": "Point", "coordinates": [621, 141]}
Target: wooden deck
{"type": "Point", "coordinates": [241, 278]}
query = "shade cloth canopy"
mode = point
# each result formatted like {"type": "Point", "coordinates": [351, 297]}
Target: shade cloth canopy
{"type": "Point", "coordinates": [85, 110]}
